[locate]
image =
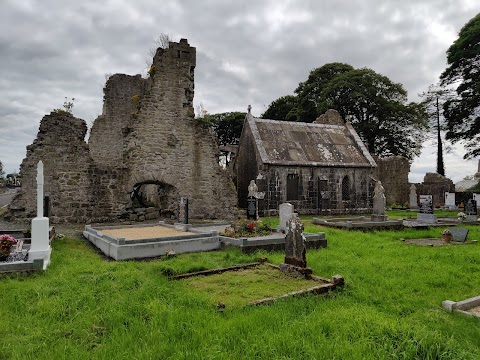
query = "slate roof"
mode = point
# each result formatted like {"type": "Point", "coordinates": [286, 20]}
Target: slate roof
{"type": "Point", "coordinates": [305, 144]}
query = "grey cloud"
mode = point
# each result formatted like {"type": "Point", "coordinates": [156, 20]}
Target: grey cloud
{"type": "Point", "coordinates": [248, 52]}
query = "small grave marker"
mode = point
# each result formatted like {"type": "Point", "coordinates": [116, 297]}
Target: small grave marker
{"type": "Point", "coordinates": [459, 234]}
{"type": "Point", "coordinates": [413, 197]}
{"type": "Point", "coordinates": [426, 210]}
{"type": "Point", "coordinates": [286, 212]}
{"type": "Point", "coordinates": [471, 210]}
{"type": "Point", "coordinates": [295, 263]}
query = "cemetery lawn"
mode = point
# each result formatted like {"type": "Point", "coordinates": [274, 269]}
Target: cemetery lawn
{"type": "Point", "coordinates": [87, 307]}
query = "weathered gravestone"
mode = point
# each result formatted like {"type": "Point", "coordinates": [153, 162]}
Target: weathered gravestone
{"type": "Point", "coordinates": [426, 210]}
{"type": "Point", "coordinates": [450, 200]}
{"type": "Point", "coordinates": [459, 234]}
{"type": "Point", "coordinates": [471, 210]}
{"type": "Point", "coordinates": [286, 212]}
{"type": "Point", "coordinates": [295, 263]}
{"type": "Point", "coordinates": [183, 211]}
{"type": "Point", "coordinates": [413, 197]}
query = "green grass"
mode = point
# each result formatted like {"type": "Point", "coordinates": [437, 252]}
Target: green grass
{"type": "Point", "coordinates": [239, 288]}
{"type": "Point", "coordinates": [84, 307]}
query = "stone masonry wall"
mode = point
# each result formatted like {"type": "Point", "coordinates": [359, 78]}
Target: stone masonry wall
{"type": "Point", "coordinates": [319, 189]}
{"type": "Point", "coordinates": [393, 173]}
{"type": "Point", "coordinates": [78, 190]}
{"type": "Point", "coordinates": [165, 143]}
{"type": "Point", "coordinates": [106, 136]}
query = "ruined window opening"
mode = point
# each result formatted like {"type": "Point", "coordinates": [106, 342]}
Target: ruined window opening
{"type": "Point", "coordinates": [179, 54]}
{"type": "Point", "coordinates": [292, 187]}
{"type": "Point", "coordinates": [346, 188]}
{"type": "Point", "coordinates": [322, 185]}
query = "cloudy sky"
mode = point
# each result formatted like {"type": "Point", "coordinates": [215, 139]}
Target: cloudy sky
{"type": "Point", "coordinates": [248, 52]}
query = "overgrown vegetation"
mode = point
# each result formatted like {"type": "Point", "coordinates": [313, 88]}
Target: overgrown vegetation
{"type": "Point", "coordinates": [85, 307]}
{"type": "Point", "coordinates": [67, 107]}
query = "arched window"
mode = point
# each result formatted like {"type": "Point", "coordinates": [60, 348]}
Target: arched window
{"type": "Point", "coordinates": [346, 188]}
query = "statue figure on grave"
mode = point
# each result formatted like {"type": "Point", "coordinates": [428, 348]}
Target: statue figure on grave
{"type": "Point", "coordinates": [379, 199]}
{"type": "Point", "coordinates": [252, 188]}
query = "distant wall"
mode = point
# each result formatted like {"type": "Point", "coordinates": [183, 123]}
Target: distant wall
{"type": "Point", "coordinates": [154, 140]}
{"type": "Point", "coordinates": [78, 190]}
{"type": "Point", "coordinates": [393, 173]}
{"type": "Point", "coordinates": [106, 140]}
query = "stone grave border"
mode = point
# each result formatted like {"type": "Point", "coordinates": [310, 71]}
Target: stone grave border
{"type": "Point", "coordinates": [463, 306]}
{"type": "Point", "coordinates": [24, 265]}
{"type": "Point", "coordinates": [202, 240]}
{"type": "Point", "coordinates": [326, 284]}
{"type": "Point", "coordinates": [359, 223]}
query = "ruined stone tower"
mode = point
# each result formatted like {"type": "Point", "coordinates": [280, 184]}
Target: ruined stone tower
{"type": "Point", "coordinates": [164, 144]}
{"type": "Point", "coordinates": [146, 136]}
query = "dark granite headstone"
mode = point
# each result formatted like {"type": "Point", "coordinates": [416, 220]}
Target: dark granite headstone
{"type": "Point", "coordinates": [459, 234]}
{"type": "Point", "coordinates": [426, 204]}
{"type": "Point", "coordinates": [252, 208]}
{"type": "Point", "coordinates": [471, 207]}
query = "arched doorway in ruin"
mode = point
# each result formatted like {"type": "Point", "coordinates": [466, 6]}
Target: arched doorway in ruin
{"type": "Point", "coordinates": [155, 193]}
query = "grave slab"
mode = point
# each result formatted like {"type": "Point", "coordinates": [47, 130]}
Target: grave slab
{"type": "Point", "coordinates": [459, 234]}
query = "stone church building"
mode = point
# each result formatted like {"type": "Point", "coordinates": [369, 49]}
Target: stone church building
{"type": "Point", "coordinates": [320, 168]}
{"type": "Point", "coordinates": [146, 137]}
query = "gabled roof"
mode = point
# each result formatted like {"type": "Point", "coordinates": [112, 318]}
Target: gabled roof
{"type": "Point", "coordinates": [305, 144]}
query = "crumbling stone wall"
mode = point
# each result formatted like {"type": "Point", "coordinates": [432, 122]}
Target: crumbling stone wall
{"type": "Point", "coordinates": [153, 139]}
{"type": "Point", "coordinates": [393, 172]}
{"type": "Point", "coordinates": [78, 190]}
{"type": "Point", "coordinates": [167, 144]}
{"type": "Point", "coordinates": [436, 185]}
{"type": "Point", "coordinates": [122, 95]}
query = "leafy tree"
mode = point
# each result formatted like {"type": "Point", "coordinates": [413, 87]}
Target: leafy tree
{"type": "Point", "coordinates": [433, 100]}
{"type": "Point", "coordinates": [308, 92]}
{"type": "Point", "coordinates": [284, 108]}
{"type": "Point", "coordinates": [228, 128]}
{"type": "Point", "coordinates": [378, 110]}
{"type": "Point", "coordinates": [462, 113]}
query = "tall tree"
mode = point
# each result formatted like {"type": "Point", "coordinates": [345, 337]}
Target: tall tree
{"type": "Point", "coordinates": [284, 108]}
{"type": "Point", "coordinates": [433, 100]}
{"type": "Point", "coordinates": [462, 113]}
{"type": "Point", "coordinates": [309, 91]}
{"type": "Point", "coordinates": [378, 110]}
{"type": "Point", "coordinates": [228, 128]}
{"type": "Point", "coordinates": [1, 170]}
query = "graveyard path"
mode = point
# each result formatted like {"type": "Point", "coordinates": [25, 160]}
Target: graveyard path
{"type": "Point", "coordinates": [7, 197]}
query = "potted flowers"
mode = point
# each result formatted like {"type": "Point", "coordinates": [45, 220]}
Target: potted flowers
{"type": "Point", "coordinates": [447, 236]}
{"type": "Point", "coordinates": [6, 243]}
